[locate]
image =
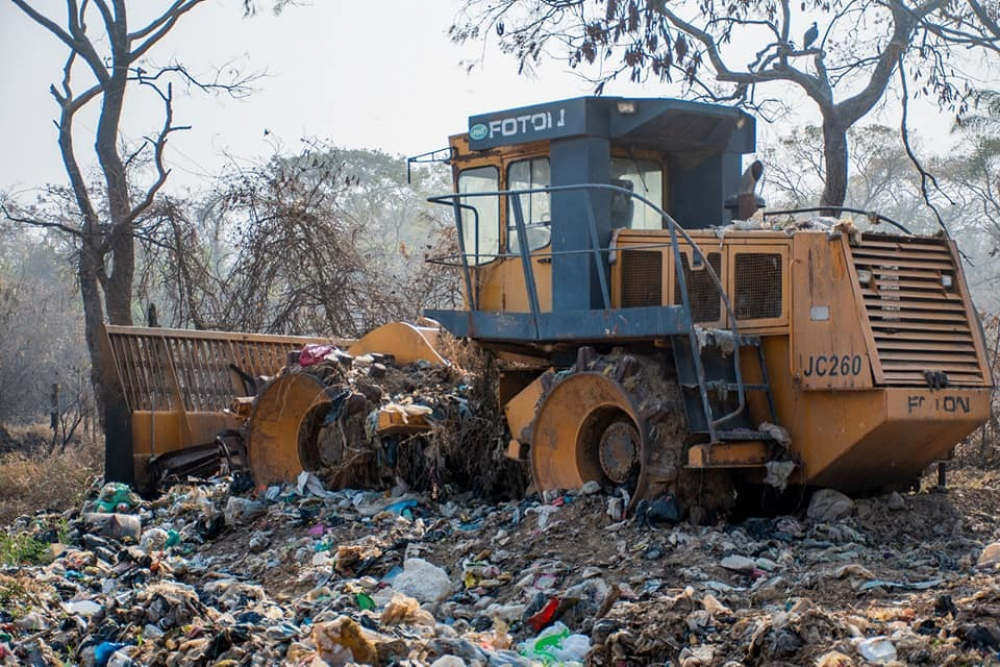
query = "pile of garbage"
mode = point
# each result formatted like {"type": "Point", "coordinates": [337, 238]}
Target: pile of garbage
{"type": "Point", "coordinates": [298, 575]}
{"type": "Point", "coordinates": [444, 426]}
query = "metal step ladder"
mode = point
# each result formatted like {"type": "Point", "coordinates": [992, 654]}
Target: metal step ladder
{"type": "Point", "coordinates": [712, 383]}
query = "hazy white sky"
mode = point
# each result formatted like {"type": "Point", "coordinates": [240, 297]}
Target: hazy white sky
{"type": "Point", "coordinates": [362, 74]}
{"type": "Point", "coordinates": [372, 74]}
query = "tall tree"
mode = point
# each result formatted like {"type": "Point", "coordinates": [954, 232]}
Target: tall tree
{"type": "Point", "coordinates": [844, 68]}
{"type": "Point", "coordinates": [976, 171]}
{"type": "Point", "coordinates": [107, 55]}
{"type": "Point", "coordinates": [881, 179]}
{"type": "Point", "coordinates": [41, 331]}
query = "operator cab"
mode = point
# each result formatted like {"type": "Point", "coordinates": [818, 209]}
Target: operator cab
{"type": "Point", "coordinates": [684, 157]}
{"type": "Point", "coordinates": [579, 172]}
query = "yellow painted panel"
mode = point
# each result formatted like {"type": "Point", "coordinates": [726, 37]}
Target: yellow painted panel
{"type": "Point", "coordinates": [406, 342]}
{"type": "Point", "coordinates": [170, 434]}
{"type": "Point", "coordinates": [504, 288]}
{"type": "Point", "coordinates": [829, 350]}
{"type": "Point", "coordinates": [520, 410]}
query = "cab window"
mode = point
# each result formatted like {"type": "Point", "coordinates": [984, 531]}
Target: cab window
{"type": "Point", "coordinates": [536, 207]}
{"type": "Point", "coordinates": [481, 227]}
{"type": "Point", "coordinates": [645, 178]}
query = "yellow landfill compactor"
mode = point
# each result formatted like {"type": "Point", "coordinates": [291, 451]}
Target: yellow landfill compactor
{"type": "Point", "coordinates": [655, 330]}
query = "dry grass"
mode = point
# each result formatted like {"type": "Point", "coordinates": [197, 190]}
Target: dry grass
{"type": "Point", "coordinates": [24, 438]}
{"type": "Point", "coordinates": [32, 482]}
{"type": "Point", "coordinates": [980, 450]}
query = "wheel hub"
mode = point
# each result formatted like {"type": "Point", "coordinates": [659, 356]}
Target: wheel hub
{"type": "Point", "coordinates": [618, 451]}
{"type": "Point", "coordinates": [331, 446]}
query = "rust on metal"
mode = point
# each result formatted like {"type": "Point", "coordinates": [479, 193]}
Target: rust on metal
{"type": "Point", "coordinates": [618, 450]}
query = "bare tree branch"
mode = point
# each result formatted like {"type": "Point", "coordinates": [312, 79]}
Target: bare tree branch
{"type": "Point", "coordinates": [158, 145]}
{"type": "Point", "coordinates": [237, 87]}
{"type": "Point", "coordinates": [846, 74]}
{"type": "Point", "coordinates": [34, 222]}
{"type": "Point", "coordinates": [157, 22]}
{"type": "Point", "coordinates": [45, 22]}
{"type": "Point", "coordinates": [985, 18]}
{"type": "Point", "coordinates": [925, 176]}
{"type": "Point", "coordinates": [166, 24]}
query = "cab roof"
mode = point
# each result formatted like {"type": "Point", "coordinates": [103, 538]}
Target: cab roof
{"type": "Point", "coordinates": [661, 124]}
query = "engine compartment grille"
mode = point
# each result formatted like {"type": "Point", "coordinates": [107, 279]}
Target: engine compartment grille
{"type": "Point", "coordinates": [916, 311]}
{"type": "Point", "coordinates": [757, 278]}
{"type": "Point", "coordinates": [642, 278]}
{"type": "Point", "coordinates": [705, 300]}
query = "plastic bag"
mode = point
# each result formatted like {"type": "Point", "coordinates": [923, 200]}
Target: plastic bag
{"type": "Point", "coordinates": [877, 649]}
{"type": "Point", "coordinates": [313, 354]}
{"type": "Point", "coordinates": [557, 645]}
{"type": "Point", "coordinates": [116, 497]}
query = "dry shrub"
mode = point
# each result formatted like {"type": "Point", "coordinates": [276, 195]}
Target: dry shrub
{"type": "Point", "coordinates": [980, 450]}
{"type": "Point", "coordinates": [33, 482]}
{"type": "Point", "coordinates": [463, 355]}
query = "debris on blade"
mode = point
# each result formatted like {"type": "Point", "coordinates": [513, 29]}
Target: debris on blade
{"type": "Point", "coordinates": [331, 420]}
{"type": "Point", "coordinates": [778, 473]}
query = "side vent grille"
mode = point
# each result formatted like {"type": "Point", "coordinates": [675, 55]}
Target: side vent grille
{"type": "Point", "coordinates": [758, 286]}
{"type": "Point", "coordinates": [706, 303]}
{"type": "Point", "coordinates": [917, 314]}
{"type": "Point", "coordinates": [642, 278]}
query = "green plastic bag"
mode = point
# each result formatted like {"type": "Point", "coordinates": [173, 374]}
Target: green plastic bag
{"type": "Point", "coordinates": [364, 601]}
{"type": "Point", "coordinates": [556, 645]}
{"type": "Point", "coordinates": [116, 497]}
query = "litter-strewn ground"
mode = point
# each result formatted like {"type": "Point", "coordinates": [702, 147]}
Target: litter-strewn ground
{"type": "Point", "coordinates": [301, 576]}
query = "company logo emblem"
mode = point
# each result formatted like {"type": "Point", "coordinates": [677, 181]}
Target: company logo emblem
{"type": "Point", "coordinates": [520, 127]}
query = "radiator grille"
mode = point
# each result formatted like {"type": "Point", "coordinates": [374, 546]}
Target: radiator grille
{"type": "Point", "coordinates": [642, 278]}
{"type": "Point", "coordinates": [706, 302]}
{"type": "Point", "coordinates": [918, 324]}
{"type": "Point", "coordinates": [758, 286]}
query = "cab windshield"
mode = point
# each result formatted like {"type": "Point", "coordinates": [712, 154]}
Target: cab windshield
{"type": "Point", "coordinates": [643, 177]}
{"type": "Point", "coordinates": [536, 207]}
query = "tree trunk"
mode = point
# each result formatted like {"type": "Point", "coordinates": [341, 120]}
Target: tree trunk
{"type": "Point", "coordinates": [110, 403]}
{"type": "Point", "coordinates": [121, 237]}
{"type": "Point", "coordinates": [835, 156]}
{"type": "Point", "coordinates": [118, 289]}
{"type": "Point", "coordinates": [93, 316]}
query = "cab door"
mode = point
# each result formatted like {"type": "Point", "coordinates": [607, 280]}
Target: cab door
{"type": "Point", "coordinates": [527, 174]}
{"type": "Point", "coordinates": [480, 233]}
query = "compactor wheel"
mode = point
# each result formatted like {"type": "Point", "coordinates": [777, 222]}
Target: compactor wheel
{"type": "Point", "coordinates": [287, 433]}
{"type": "Point", "coordinates": [275, 422]}
{"type": "Point", "coordinates": [620, 421]}
{"type": "Point", "coordinates": [619, 449]}
{"type": "Point", "coordinates": [586, 429]}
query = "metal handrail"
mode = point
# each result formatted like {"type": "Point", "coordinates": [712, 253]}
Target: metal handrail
{"type": "Point", "coordinates": [442, 260]}
{"type": "Point", "coordinates": [457, 206]}
{"type": "Point", "coordinates": [675, 229]}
